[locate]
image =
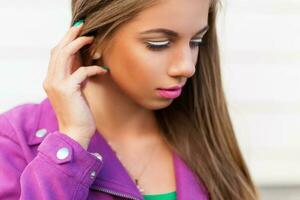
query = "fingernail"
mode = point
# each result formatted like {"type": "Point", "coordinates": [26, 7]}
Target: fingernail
{"type": "Point", "coordinates": [104, 67]}
{"type": "Point", "coordinates": [78, 23]}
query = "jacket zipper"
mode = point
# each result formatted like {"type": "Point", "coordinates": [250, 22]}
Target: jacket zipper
{"type": "Point", "coordinates": [113, 193]}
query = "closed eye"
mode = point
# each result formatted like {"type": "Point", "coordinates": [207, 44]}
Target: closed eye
{"type": "Point", "coordinates": [159, 45]}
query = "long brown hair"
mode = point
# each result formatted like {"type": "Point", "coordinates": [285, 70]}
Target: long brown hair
{"type": "Point", "coordinates": [196, 125]}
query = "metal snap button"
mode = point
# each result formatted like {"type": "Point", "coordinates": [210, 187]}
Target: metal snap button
{"type": "Point", "coordinates": [93, 175]}
{"type": "Point", "coordinates": [97, 156]}
{"type": "Point", "coordinates": [41, 133]}
{"type": "Point", "coordinates": [62, 153]}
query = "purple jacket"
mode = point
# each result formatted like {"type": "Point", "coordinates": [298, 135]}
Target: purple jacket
{"type": "Point", "coordinates": [38, 162]}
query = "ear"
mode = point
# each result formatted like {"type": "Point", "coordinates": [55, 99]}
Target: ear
{"type": "Point", "coordinates": [96, 56]}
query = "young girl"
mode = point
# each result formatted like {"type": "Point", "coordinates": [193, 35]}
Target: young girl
{"type": "Point", "coordinates": [135, 109]}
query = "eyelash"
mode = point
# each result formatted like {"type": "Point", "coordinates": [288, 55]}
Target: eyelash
{"type": "Point", "coordinates": [151, 46]}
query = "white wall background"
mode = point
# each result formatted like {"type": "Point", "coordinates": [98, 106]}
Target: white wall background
{"type": "Point", "coordinates": [261, 56]}
{"type": "Point", "coordinates": [260, 48]}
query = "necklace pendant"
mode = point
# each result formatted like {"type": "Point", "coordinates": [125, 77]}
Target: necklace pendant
{"type": "Point", "coordinates": [138, 186]}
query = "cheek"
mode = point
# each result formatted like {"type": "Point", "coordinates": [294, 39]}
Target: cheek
{"type": "Point", "coordinates": [144, 67]}
{"type": "Point", "coordinates": [136, 69]}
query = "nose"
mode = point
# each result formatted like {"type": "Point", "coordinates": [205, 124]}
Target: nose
{"type": "Point", "coordinates": [183, 63]}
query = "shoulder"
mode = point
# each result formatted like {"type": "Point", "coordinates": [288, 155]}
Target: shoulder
{"type": "Point", "coordinates": [28, 122]}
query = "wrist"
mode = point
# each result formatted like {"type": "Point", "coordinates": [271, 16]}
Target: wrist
{"type": "Point", "coordinates": [83, 141]}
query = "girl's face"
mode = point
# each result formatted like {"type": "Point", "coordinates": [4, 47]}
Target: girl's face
{"type": "Point", "coordinates": [142, 60]}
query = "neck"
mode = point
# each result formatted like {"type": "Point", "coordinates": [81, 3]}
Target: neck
{"type": "Point", "coordinates": [117, 116]}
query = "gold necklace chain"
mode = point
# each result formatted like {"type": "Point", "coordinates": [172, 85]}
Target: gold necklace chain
{"type": "Point", "coordinates": [136, 180]}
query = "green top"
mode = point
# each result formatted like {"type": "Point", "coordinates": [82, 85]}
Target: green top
{"type": "Point", "coordinates": [163, 196]}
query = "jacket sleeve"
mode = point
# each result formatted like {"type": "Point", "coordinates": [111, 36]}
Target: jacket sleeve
{"type": "Point", "coordinates": [62, 169]}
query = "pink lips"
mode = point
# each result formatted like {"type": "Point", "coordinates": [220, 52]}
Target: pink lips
{"type": "Point", "coordinates": [170, 93]}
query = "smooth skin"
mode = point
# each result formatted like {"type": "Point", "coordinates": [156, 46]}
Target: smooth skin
{"type": "Point", "coordinates": [123, 100]}
{"type": "Point", "coordinates": [63, 87]}
{"type": "Point", "coordinates": [120, 104]}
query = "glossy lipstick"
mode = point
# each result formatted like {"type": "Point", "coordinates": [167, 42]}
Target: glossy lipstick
{"type": "Point", "coordinates": [170, 93]}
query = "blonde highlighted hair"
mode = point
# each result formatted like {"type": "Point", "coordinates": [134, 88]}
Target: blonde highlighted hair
{"type": "Point", "coordinates": [196, 125]}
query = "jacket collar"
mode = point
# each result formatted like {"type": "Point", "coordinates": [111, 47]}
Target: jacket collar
{"type": "Point", "coordinates": [113, 177]}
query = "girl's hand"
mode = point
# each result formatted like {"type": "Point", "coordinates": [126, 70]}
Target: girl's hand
{"type": "Point", "coordinates": [63, 87]}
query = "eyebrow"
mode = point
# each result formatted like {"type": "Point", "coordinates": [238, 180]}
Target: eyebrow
{"type": "Point", "coordinates": [171, 33]}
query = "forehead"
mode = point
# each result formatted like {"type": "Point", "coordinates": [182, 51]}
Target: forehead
{"type": "Point", "coordinates": [179, 15]}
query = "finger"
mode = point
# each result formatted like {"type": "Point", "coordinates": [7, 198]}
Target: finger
{"type": "Point", "coordinates": [82, 73]}
{"type": "Point", "coordinates": [77, 44]}
{"type": "Point", "coordinates": [68, 53]}
{"type": "Point", "coordinates": [69, 37]}
{"type": "Point", "coordinates": [71, 34]}
{"type": "Point", "coordinates": [51, 63]}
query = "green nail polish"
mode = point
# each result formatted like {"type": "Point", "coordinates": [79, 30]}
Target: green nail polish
{"type": "Point", "coordinates": [106, 68]}
{"type": "Point", "coordinates": [77, 23]}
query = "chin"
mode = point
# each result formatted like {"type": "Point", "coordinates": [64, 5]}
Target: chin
{"type": "Point", "coordinates": [159, 104]}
